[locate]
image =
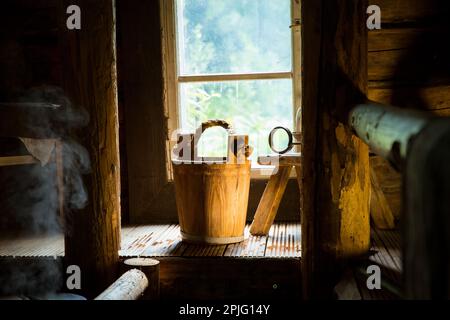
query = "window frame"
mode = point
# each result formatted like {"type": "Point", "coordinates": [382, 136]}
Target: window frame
{"type": "Point", "coordinates": [172, 80]}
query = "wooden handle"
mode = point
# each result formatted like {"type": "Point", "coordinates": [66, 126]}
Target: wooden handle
{"type": "Point", "coordinates": [210, 124]}
{"type": "Point", "coordinates": [238, 148]}
{"type": "Point", "coordinates": [213, 123]}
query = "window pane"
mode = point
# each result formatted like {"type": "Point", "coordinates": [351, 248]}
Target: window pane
{"type": "Point", "coordinates": [251, 107]}
{"type": "Point", "coordinates": [233, 36]}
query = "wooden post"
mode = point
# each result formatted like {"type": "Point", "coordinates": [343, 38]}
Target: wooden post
{"type": "Point", "coordinates": [335, 169]}
{"type": "Point", "coordinates": [426, 189]}
{"type": "Point", "coordinates": [150, 267]}
{"type": "Point", "coordinates": [93, 233]}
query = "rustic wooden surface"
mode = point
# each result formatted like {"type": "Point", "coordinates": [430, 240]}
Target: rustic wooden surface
{"type": "Point", "coordinates": [380, 211]}
{"type": "Point", "coordinates": [283, 241]}
{"type": "Point", "coordinates": [407, 57]}
{"type": "Point", "coordinates": [130, 286]}
{"type": "Point", "coordinates": [224, 278]}
{"type": "Point", "coordinates": [212, 200]}
{"type": "Point", "coordinates": [386, 252]}
{"type": "Point", "coordinates": [390, 182]}
{"type": "Point", "coordinates": [311, 41]}
{"type": "Point", "coordinates": [141, 94]}
{"type": "Point", "coordinates": [93, 233]}
{"type": "Point", "coordinates": [339, 212]}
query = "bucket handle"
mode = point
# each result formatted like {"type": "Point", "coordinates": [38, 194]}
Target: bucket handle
{"type": "Point", "coordinates": [230, 131]}
{"type": "Point", "coordinates": [210, 124]}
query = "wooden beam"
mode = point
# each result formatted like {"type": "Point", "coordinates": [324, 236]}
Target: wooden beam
{"type": "Point", "coordinates": [387, 130]}
{"type": "Point", "coordinates": [92, 237]}
{"type": "Point", "coordinates": [434, 99]}
{"type": "Point", "coordinates": [130, 286]}
{"type": "Point", "coordinates": [335, 216]}
{"type": "Point", "coordinates": [380, 211]}
{"type": "Point", "coordinates": [409, 11]}
{"type": "Point", "coordinates": [426, 222]}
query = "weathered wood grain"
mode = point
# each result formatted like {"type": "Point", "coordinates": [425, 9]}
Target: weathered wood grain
{"type": "Point", "coordinates": [141, 92]}
{"type": "Point", "coordinates": [130, 286]}
{"type": "Point", "coordinates": [380, 211]}
{"type": "Point", "coordinates": [150, 267]}
{"type": "Point", "coordinates": [92, 238]}
{"type": "Point", "coordinates": [398, 11]}
{"type": "Point", "coordinates": [339, 214]}
{"type": "Point", "coordinates": [270, 201]}
{"type": "Point", "coordinates": [390, 182]}
{"type": "Point", "coordinates": [436, 99]}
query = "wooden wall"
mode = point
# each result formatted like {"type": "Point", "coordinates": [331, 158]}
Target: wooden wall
{"type": "Point", "coordinates": [29, 54]}
{"type": "Point", "coordinates": [409, 62]}
{"type": "Point", "coordinates": [409, 66]}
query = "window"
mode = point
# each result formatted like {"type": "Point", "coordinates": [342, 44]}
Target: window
{"type": "Point", "coordinates": [235, 60]}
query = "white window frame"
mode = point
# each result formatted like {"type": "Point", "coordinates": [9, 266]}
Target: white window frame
{"type": "Point", "coordinates": [172, 79]}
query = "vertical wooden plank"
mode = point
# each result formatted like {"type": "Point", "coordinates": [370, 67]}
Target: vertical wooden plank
{"type": "Point", "coordinates": [311, 12]}
{"type": "Point", "coordinates": [335, 216]}
{"type": "Point", "coordinates": [141, 92]}
{"type": "Point", "coordinates": [92, 237]}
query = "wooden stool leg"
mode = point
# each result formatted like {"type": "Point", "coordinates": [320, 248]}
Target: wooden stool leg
{"type": "Point", "coordinates": [270, 201]}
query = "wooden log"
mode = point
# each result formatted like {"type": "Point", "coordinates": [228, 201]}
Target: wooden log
{"type": "Point", "coordinates": [409, 11]}
{"type": "Point", "coordinates": [130, 286]}
{"type": "Point", "coordinates": [380, 210]}
{"type": "Point", "coordinates": [92, 237]}
{"type": "Point", "coordinates": [270, 201]}
{"type": "Point", "coordinates": [399, 38]}
{"type": "Point", "coordinates": [435, 98]}
{"type": "Point", "coordinates": [402, 64]}
{"type": "Point", "coordinates": [150, 267]}
{"type": "Point", "coordinates": [387, 130]}
{"type": "Point", "coordinates": [426, 188]}
{"type": "Point", "coordinates": [336, 225]}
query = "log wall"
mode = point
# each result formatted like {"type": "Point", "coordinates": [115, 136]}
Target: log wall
{"type": "Point", "coordinates": [408, 66]}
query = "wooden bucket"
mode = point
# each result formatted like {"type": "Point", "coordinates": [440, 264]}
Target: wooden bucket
{"type": "Point", "coordinates": [212, 193]}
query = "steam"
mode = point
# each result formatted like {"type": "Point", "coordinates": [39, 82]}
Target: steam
{"type": "Point", "coordinates": [33, 193]}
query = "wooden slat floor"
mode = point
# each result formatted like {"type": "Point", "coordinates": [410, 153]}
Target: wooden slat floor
{"type": "Point", "coordinates": [386, 253]}
{"type": "Point", "coordinates": [283, 241]}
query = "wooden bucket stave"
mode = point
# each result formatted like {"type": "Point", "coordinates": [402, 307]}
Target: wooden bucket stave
{"type": "Point", "coordinates": [212, 196]}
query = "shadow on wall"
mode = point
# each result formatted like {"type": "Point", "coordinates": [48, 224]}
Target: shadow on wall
{"type": "Point", "coordinates": [427, 61]}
